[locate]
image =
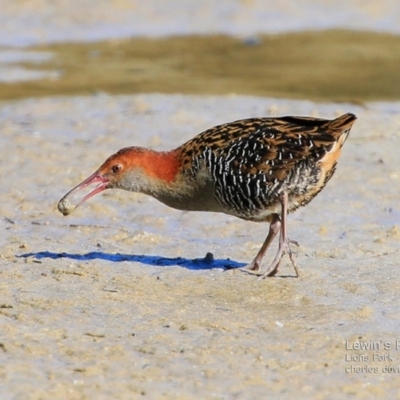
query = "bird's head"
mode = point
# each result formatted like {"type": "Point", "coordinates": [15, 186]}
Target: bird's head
{"type": "Point", "coordinates": [133, 168]}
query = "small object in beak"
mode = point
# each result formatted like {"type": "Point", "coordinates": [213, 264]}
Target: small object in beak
{"type": "Point", "coordinates": [66, 207]}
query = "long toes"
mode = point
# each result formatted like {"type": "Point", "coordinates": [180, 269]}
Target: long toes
{"type": "Point", "coordinates": [251, 268]}
{"type": "Point", "coordinates": [271, 271]}
{"type": "Point", "coordinates": [269, 274]}
{"type": "Point", "coordinates": [251, 272]}
{"type": "Point", "coordinates": [295, 242]}
{"type": "Point", "coordinates": [294, 263]}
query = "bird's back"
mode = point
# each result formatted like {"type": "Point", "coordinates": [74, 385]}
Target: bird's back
{"type": "Point", "coordinates": [251, 161]}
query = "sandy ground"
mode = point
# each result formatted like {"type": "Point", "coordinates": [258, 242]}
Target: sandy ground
{"type": "Point", "coordinates": [118, 300]}
{"type": "Point", "coordinates": [115, 301]}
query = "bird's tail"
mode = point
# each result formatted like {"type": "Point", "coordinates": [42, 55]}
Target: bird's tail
{"type": "Point", "coordinates": [340, 127]}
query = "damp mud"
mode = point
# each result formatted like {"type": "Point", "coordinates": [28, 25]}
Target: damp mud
{"type": "Point", "coordinates": [127, 298]}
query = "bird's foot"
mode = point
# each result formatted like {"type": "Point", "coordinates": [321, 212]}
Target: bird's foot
{"type": "Point", "coordinates": [284, 248]}
{"type": "Point", "coordinates": [252, 268]}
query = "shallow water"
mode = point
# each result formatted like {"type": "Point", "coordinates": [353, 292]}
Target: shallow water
{"type": "Point", "coordinates": [325, 66]}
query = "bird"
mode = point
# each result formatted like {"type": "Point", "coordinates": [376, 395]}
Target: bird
{"type": "Point", "coordinates": [256, 169]}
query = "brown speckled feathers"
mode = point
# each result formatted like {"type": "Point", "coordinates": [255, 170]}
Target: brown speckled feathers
{"type": "Point", "coordinates": [253, 160]}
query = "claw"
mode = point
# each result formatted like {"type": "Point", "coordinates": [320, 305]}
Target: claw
{"type": "Point", "coordinates": [277, 225]}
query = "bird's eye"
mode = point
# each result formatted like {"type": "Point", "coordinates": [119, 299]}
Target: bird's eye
{"type": "Point", "coordinates": [116, 168]}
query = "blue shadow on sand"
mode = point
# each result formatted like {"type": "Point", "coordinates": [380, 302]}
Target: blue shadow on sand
{"type": "Point", "coordinates": [208, 262]}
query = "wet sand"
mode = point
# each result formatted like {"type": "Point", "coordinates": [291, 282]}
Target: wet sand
{"type": "Point", "coordinates": [117, 301]}
{"type": "Point", "coordinates": [129, 299]}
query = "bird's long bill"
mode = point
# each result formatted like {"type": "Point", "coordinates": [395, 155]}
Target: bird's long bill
{"type": "Point", "coordinates": [65, 206]}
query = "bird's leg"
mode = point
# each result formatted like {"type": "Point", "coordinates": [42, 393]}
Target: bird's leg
{"type": "Point", "coordinates": [284, 243]}
{"type": "Point", "coordinates": [274, 228]}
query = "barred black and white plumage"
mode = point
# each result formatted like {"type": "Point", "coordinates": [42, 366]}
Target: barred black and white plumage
{"type": "Point", "coordinates": [252, 161]}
